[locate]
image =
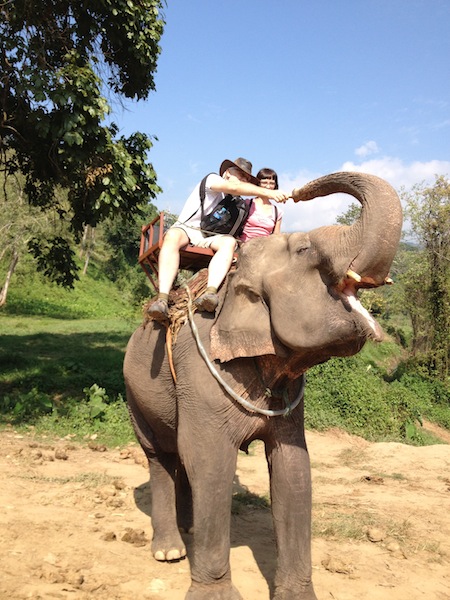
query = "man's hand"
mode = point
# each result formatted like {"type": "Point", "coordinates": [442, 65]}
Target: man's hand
{"type": "Point", "coordinates": [278, 196]}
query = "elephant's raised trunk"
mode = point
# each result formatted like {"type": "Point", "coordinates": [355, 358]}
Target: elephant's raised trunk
{"type": "Point", "coordinates": [366, 248]}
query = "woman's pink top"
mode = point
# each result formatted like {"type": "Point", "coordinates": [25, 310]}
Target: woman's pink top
{"type": "Point", "coordinates": [259, 224]}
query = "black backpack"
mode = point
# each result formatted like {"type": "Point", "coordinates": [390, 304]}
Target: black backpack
{"type": "Point", "coordinates": [228, 216]}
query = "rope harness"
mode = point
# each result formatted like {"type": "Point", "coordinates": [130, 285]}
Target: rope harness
{"type": "Point", "coordinates": [244, 403]}
{"type": "Point", "coordinates": [183, 303]}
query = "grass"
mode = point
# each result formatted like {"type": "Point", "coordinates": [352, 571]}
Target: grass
{"type": "Point", "coordinates": [94, 296]}
{"type": "Point", "coordinates": [61, 341]}
{"type": "Point", "coordinates": [394, 476]}
{"type": "Point", "coordinates": [385, 355]}
{"type": "Point", "coordinates": [341, 526]}
{"type": "Point", "coordinates": [248, 500]}
{"type": "Point", "coordinates": [336, 525]}
{"type": "Point", "coordinates": [65, 377]}
{"type": "Point", "coordinates": [351, 457]}
{"type": "Point", "coordinates": [61, 356]}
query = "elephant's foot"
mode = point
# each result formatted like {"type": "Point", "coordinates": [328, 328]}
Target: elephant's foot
{"type": "Point", "coordinates": [168, 548]}
{"type": "Point", "coordinates": [299, 592]}
{"type": "Point", "coordinates": [224, 590]}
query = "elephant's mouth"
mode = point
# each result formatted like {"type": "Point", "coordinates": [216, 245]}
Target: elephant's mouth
{"type": "Point", "coordinates": [347, 292]}
{"type": "Point", "coordinates": [355, 280]}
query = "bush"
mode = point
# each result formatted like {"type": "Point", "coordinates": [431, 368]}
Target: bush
{"type": "Point", "coordinates": [348, 393]}
{"type": "Point", "coordinates": [107, 420]}
{"type": "Point", "coordinates": [431, 394]}
{"type": "Point", "coordinates": [23, 407]}
{"type": "Point", "coordinates": [96, 415]}
{"type": "Point", "coordinates": [398, 334]}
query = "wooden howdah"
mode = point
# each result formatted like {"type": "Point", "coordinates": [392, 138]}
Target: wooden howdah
{"type": "Point", "coordinates": [191, 257]}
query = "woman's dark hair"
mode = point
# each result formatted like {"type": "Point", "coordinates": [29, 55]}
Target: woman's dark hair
{"type": "Point", "coordinates": [268, 174]}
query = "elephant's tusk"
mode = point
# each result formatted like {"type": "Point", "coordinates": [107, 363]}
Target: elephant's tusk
{"type": "Point", "coordinates": [367, 280]}
{"type": "Point", "coordinates": [353, 275]}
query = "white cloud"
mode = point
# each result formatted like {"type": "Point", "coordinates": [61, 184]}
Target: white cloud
{"type": "Point", "coordinates": [368, 148]}
{"type": "Point", "coordinates": [305, 216]}
{"type": "Point", "coordinates": [398, 173]}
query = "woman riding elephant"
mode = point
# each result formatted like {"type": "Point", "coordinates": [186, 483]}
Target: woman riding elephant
{"type": "Point", "coordinates": [290, 304]}
{"type": "Point", "coordinates": [236, 179]}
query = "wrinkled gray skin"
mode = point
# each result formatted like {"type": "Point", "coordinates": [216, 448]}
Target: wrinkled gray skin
{"type": "Point", "coordinates": [291, 305]}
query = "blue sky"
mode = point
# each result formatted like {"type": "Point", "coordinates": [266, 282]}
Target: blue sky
{"type": "Point", "coordinates": [306, 87]}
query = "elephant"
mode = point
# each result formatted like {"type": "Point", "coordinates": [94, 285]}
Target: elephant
{"type": "Point", "coordinates": [291, 303]}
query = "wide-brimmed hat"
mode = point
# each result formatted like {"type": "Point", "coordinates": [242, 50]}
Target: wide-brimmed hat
{"type": "Point", "coordinates": [243, 165]}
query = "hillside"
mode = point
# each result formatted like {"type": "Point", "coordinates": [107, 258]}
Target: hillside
{"type": "Point", "coordinates": [93, 296]}
{"type": "Point", "coordinates": [67, 346]}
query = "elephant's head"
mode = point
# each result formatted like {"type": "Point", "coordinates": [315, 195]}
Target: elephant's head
{"type": "Point", "coordinates": [297, 293]}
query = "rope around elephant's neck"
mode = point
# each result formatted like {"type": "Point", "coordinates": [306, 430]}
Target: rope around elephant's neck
{"type": "Point", "coordinates": [244, 403]}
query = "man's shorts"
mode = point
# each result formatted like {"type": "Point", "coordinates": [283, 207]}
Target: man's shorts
{"type": "Point", "coordinates": [196, 237]}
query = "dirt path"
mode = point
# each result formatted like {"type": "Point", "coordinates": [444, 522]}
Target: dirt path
{"type": "Point", "coordinates": [74, 523]}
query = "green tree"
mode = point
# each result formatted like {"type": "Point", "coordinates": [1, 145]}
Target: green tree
{"type": "Point", "coordinates": [428, 282]}
{"type": "Point", "coordinates": [122, 240]}
{"type": "Point", "coordinates": [59, 58]}
{"type": "Point", "coordinates": [409, 295]}
{"type": "Point", "coordinates": [351, 215]}
{"type": "Point", "coordinates": [21, 223]}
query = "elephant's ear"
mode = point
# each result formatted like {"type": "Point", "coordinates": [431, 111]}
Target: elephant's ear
{"type": "Point", "coordinates": [242, 328]}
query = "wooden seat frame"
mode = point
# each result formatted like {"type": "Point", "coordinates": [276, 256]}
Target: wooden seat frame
{"type": "Point", "coordinates": [152, 235]}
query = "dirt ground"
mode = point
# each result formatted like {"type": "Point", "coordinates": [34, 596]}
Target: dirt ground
{"type": "Point", "coordinates": [74, 523]}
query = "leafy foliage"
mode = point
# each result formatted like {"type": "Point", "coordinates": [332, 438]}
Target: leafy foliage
{"type": "Point", "coordinates": [122, 239]}
{"type": "Point", "coordinates": [95, 416]}
{"type": "Point", "coordinates": [352, 214]}
{"type": "Point", "coordinates": [25, 406]}
{"type": "Point", "coordinates": [80, 419]}
{"type": "Point", "coordinates": [57, 59]}
{"type": "Point", "coordinates": [98, 400]}
{"type": "Point", "coordinates": [349, 393]}
{"type": "Point", "coordinates": [433, 394]}
{"type": "Point", "coordinates": [62, 352]}
{"type": "Point", "coordinates": [21, 228]}
{"type": "Point", "coordinates": [427, 281]}
{"type": "Point", "coordinates": [55, 259]}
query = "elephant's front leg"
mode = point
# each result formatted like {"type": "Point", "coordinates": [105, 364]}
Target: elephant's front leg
{"type": "Point", "coordinates": [210, 463]}
{"type": "Point", "coordinates": [290, 487]}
